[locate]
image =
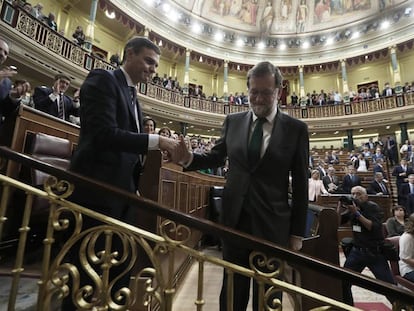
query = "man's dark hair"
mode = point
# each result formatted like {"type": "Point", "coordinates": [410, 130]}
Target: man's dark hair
{"type": "Point", "coordinates": [265, 68]}
{"type": "Point", "coordinates": [62, 76]}
{"type": "Point", "coordinates": [138, 43]}
{"type": "Point", "coordinates": [148, 118]}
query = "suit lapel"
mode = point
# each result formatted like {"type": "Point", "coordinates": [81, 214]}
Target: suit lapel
{"type": "Point", "coordinates": [245, 132]}
{"type": "Point", "coordinates": [120, 78]}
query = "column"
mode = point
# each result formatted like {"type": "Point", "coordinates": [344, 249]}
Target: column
{"type": "Point", "coordinates": [225, 78]}
{"type": "Point", "coordinates": [345, 88]}
{"type": "Point", "coordinates": [183, 126]}
{"type": "Point", "coordinates": [350, 139]}
{"type": "Point", "coordinates": [302, 98]}
{"type": "Point", "coordinates": [395, 70]}
{"type": "Point", "coordinates": [404, 133]}
{"type": "Point", "coordinates": [186, 72]}
{"type": "Point", "coordinates": [90, 29]}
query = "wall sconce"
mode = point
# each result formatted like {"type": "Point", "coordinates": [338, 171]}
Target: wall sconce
{"type": "Point", "coordinates": [110, 15]}
{"type": "Point", "coordinates": [200, 59]}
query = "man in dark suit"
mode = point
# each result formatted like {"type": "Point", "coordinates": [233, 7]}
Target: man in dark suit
{"type": "Point", "coordinates": [405, 190]}
{"type": "Point", "coordinates": [10, 94]}
{"type": "Point", "coordinates": [350, 180]}
{"type": "Point", "coordinates": [378, 186]}
{"type": "Point", "coordinates": [112, 140]}
{"type": "Point", "coordinates": [401, 172]}
{"type": "Point", "coordinates": [255, 198]}
{"type": "Point", "coordinates": [331, 181]}
{"type": "Point", "coordinates": [50, 99]}
{"type": "Point", "coordinates": [388, 90]}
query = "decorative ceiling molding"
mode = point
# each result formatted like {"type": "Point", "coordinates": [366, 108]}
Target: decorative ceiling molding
{"type": "Point", "coordinates": [370, 41]}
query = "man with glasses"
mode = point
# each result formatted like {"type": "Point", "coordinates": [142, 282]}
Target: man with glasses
{"type": "Point", "coordinates": [255, 199]}
{"type": "Point", "coordinates": [366, 223]}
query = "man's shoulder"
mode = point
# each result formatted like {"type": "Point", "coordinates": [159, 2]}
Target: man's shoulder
{"type": "Point", "coordinates": [284, 117]}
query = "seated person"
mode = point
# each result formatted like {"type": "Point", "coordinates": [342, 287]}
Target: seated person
{"type": "Point", "coordinates": [395, 224]}
{"type": "Point", "coordinates": [406, 262]}
{"type": "Point", "coordinates": [331, 181]}
{"type": "Point", "coordinates": [378, 186]}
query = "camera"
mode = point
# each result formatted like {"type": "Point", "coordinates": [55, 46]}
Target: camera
{"type": "Point", "coordinates": [347, 200]}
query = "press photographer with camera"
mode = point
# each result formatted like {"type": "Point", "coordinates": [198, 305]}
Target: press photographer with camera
{"type": "Point", "coordinates": [365, 218]}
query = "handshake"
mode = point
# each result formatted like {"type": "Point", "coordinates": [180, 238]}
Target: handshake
{"type": "Point", "coordinates": [175, 150]}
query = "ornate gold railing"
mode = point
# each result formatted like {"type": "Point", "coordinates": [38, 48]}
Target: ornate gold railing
{"type": "Point", "coordinates": [41, 33]}
{"type": "Point", "coordinates": [307, 112]}
{"type": "Point", "coordinates": [153, 285]}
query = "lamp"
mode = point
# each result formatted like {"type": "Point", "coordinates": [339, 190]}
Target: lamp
{"type": "Point", "coordinates": [110, 15]}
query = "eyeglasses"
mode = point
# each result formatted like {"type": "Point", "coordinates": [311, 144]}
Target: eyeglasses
{"type": "Point", "coordinates": [265, 93]}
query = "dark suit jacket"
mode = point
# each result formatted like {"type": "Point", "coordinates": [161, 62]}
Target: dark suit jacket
{"type": "Point", "coordinates": [7, 106]}
{"type": "Point", "coordinates": [347, 184]}
{"type": "Point", "coordinates": [44, 103]}
{"type": "Point", "coordinates": [374, 188]}
{"type": "Point", "coordinates": [263, 189]}
{"type": "Point", "coordinates": [109, 143]}
{"type": "Point", "coordinates": [403, 194]}
{"type": "Point", "coordinates": [326, 181]}
{"type": "Point", "coordinates": [398, 170]}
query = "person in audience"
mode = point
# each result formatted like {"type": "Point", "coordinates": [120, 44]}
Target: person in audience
{"type": "Point", "coordinates": [315, 187]}
{"type": "Point", "coordinates": [112, 142]}
{"type": "Point", "coordinates": [50, 99]}
{"type": "Point", "coordinates": [76, 103]}
{"type": "Point", "coordinates": [378, 154]}
{"type": "Point", "coordinates": [391, 150]}
{"type": "Point", "coordinates": [401, 173]}
{"type": "Point", "coordinates": [37, 12]}
{"type": "Point", "coordinates": [406, 246]}
{"type": "Point", "coordinates": [331, 181]}
{"type": "Point", "coordinates": [406, 189]}
{"type": "Point", "coordinates": [388, 90]}
{"type": "Point", "coordinates": [255, 198]}
{"type": "Point", "coordinates": [323, 170]}
{"type": "Point", "coordinates": [378, 186]}
{"type": "Point", "coordinates": [28, 8]}
{"type": "Point", "coordinates": [149, 125]}
{"type": "Point", "coordinates": [333, 158]}
{"type": "Point", "coordinates": [395, 224]}
{"type": "Point", "coordinates": [50, 21]}
{"type": "Point", "coordinates": [366, 220]}
{"type": "Point", "coordinates": [116, 61]}
{"type": "Point", "coordinates": [350, 180]}
{"type": "Point", "coordinates": [78, 35]}
{"type": "Point", "coordinates": [379, 167]}
{"type": "Point", "coordinates": [366, 152]}
{"type": "Point", "coordinates": [165, 131]}
{"type": "Point", "coordinates": [361, 164]}
{"type": "Point", "coordinates": [10, 94]}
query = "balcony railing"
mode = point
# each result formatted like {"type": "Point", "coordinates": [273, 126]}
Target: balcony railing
{"type": "Point", "coordinates": [307, 112]}
{"type": "Point", "coordinates": [59, 277]}
{"type": "Point", "coordinates": [41, 33]}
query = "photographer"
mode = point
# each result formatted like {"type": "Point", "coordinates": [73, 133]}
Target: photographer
{"type": "Point", "coordinates": [366, 223]}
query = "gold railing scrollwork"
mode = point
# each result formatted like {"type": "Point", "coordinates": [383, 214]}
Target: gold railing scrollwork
{"type": "Point", "coordinates": [88, 257]}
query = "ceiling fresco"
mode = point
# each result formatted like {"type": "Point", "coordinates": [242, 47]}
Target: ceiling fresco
{"type": "Point", "coordinates": [285, 16]}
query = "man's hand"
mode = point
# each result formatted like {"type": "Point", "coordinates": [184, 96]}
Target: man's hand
{"type": "Point", "coordinates": [177, 151]}
{"type": "Point", "coordinates": [295, 242]}
{"type": "Point", "coordinates": [56, 87]}
{"type": "Point", "coordinates": [7, 72]}
{"type": "Point", "coordinates": [20, 89]}
{"type": "Point", "coordinates": [168, 146]}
